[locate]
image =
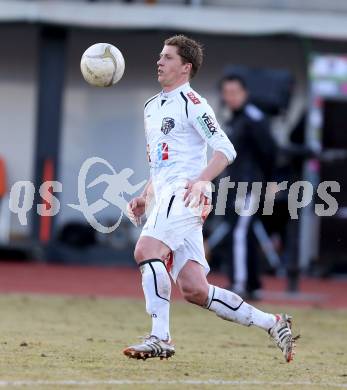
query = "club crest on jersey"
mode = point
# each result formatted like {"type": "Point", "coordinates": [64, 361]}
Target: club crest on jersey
{"type": "Point", "coordinates": [193, 98]}
{"type": "Point", "coordinates": [167, 125]}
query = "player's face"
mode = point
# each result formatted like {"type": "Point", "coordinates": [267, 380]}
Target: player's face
{"type": "Point", "coordinates": [233, 94]}
{"type": "Point", "coordinates": [171, 70]}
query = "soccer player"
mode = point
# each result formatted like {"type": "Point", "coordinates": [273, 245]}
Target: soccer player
{"type": "Point", "coordinates": [179, 124]}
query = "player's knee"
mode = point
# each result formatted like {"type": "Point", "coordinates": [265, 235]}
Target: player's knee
{"type": "Point", "coordinates": [194, 294]}
{"type": "Point", "coordinates": [143, 251]}
{"type": "Point", "coordinates": [139, 252]}
{"type": "Point", "coordinates": [150, 249]}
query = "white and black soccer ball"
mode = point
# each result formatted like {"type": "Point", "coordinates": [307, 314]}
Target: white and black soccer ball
{"type": "Point", "coordinates": [102, 65]}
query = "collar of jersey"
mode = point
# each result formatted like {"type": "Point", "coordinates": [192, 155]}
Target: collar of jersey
{"type": "Point", "coordinates": [168, 95]}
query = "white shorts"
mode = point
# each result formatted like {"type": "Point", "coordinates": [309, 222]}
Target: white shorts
{"type": "Point", "coordinates": [180, 228]}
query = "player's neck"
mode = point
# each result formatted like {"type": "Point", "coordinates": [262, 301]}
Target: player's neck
{"type": "Point", "coordinates": [172, 87]}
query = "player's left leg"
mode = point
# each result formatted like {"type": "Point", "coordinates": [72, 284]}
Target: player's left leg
{"type": "Point", "coordinates": [194, 287]}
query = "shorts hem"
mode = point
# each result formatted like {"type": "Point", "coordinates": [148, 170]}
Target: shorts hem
{"type": "Point", "coordinates": [206, 268]}
{"type": "Point", "coordinates": [157, 237]}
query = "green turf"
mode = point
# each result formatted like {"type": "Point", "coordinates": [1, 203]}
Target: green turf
{"type": "Point", "coordinates": [62, 338]}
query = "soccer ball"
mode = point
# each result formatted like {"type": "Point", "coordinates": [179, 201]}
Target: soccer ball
{"type": "Point", "coordinates": [102, 65]}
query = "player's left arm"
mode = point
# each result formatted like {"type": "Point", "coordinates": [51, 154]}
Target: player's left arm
{"type": "Point", "coordinates": [203, 119]}
{"type": "Point", "coordinates": [198, 189]}
{"type": "Point", "coordinates": [215, 166]}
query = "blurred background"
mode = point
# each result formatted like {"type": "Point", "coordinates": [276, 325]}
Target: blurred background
{"type": "Point", "coordinates": [293, 55]}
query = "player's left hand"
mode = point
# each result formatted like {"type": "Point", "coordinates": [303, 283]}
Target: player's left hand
{"type": "Point", "coordinates": [196, 191]}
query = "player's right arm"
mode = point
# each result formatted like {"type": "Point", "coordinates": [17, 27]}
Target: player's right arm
{"type": "Point", "coordinates": [137, 206]}
{"type": "Point", "coordinates": [147, 192]}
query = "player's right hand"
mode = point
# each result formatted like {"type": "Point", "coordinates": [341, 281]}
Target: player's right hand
{"type": "Point", "coordinates": [136, 208]}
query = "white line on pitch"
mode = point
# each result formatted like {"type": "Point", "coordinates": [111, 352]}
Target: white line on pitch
{"type": "Point", "coordinates": [216, 382]}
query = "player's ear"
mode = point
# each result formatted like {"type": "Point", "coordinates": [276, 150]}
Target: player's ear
{"type": "Point", "coordinates": [187, 68]}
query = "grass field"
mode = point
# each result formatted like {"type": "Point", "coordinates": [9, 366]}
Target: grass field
{"type": "Point", "coordinates": [58, 339]}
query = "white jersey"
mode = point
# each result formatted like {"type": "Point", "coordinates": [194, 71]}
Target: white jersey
{"type": "Point", "coordinates": [179, 125]}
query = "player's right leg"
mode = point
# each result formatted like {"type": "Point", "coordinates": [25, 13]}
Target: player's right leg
{"type": "Point", "coordinates": [149, 255]}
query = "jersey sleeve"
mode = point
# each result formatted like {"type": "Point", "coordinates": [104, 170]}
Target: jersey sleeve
{"type": "Point", "coordinates": [204, 121]}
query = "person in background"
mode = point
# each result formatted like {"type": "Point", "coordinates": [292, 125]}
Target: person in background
{"type": "Point", "coordinates": [249, 131]}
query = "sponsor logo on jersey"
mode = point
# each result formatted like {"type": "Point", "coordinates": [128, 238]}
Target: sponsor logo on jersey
{"type": "Point", "coordinates": [167, 125]}
{"type": "Point", "coordinates": [193, 98]}
{"type": "Point", "coordinates": [208, 124]}
{"type": "Point", "coordinates": [162, 164]}
{"type": "Point", "coordinates": [163, 151]}
{"type": "Point", "coordinates": [162, 160]}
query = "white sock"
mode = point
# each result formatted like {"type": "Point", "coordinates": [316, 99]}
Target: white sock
{"type": "Point", "coordinates": [156, 286]}
{"type": "Point", "coordinates": [231, 307]}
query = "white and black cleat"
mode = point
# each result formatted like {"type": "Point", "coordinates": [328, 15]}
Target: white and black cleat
{"type": "Point", "coordinates": [281, 333]}
{"type": "Point", "coordinates": [151, 347]}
